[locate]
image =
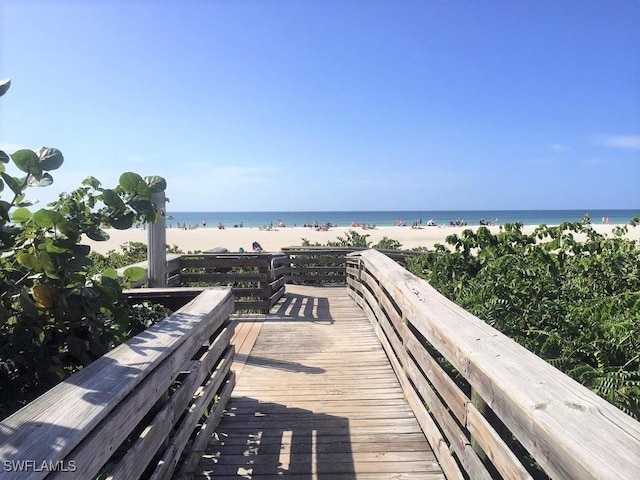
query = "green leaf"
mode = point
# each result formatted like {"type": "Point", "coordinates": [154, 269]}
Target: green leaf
{"type": "Point", "coordinates": [14, 183]}
{"type": "Point", "coordinates": [91, 182]}
{"type": "Point", "coordinates": [4, 86]}
{"type": "Point", "coordinates": [4, 157]}
{"type": "Point", "coordinates": [113, 200]}
{"type": "Point", "coordinates": [27, 161]}
{"type": "Point", "coordinates": [55, 247]}
{"type": "Point", "coordinates": [50, 158]}
{"type": "Point", "coordinates": [47, 218]}
{"type": "Point", "coordinates": [156, 184]}
{"type": "Point", "coordinates": [67, 228]}
{"type": "Point", "coordinates": [111, 289]}
{"type": "Point", "coordinates": [80, 250]}
{"type": "Point", "coordinates": [50, 268]}
{"type": "Point", "coordinates": [133, 184]}
{"type": "Point", "coordinates": [78, 263]}
{"type": "Point", "coordinates": [89, 294]}
{"type": "Point", "coordinates": [21, 215]}
{"type": "Point", "coordinates": [134, 274]}
{"type": "Point", "coordinates": [29, 261]}
{"type": "Point", "coordinates": [43, 181]}
{"type": "Point", "coordinates": [122, 222]}
{"type": "Point", "coordinates": [143, 207]}
{"type": "Point", "coordinates": [98, 235]}
{"type": "Point", "coordinates": [110, 273]}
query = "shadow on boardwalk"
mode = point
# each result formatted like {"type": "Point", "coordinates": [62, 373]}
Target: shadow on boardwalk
{"type": "Point", "coordinates": [316, 399]}
{"type": "Point", "coordinates": [267, 440]}
{"type": "Point", "coordinates": [303, 307]}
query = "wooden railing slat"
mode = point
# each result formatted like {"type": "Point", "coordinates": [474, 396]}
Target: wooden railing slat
{"type": "Point", "coordinates": [494, 446]}
{"type": "Point", "coordinates": [556, 419]}
{"type": "Point", "coordinates": [95, 407]}
{"type": "Point", "coordinates": [169, 460]}
{"type": "Point", "coordinates": [204, 435]}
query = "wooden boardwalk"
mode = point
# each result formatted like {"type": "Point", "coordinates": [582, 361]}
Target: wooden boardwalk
{"type": "Point", "coordinates": [316, 398]}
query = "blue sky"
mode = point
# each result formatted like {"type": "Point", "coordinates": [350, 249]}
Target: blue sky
{"type": "Point", "coordinates": [332, 105]}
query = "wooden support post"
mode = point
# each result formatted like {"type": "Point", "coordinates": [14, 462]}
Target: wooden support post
{"type": "Point", "coordinates": [481, 405]}
{"type": "Point", "coordinates": [157, 245]}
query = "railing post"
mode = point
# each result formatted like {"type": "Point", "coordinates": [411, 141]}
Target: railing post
{"type": "Point", "coordinates": [481, 406]}
{"type": "Point", "coordinates": [157, 244]}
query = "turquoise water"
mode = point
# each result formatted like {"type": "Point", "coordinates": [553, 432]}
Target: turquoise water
{"type": "Point", "coordinates": [390, 218]}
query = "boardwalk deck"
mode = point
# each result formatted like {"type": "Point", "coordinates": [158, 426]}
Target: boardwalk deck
{"type": "Point", "coordinates": [316, 398]}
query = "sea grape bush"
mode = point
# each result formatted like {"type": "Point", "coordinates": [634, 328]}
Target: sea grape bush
{"type": "Point", "coordinates": [567, 293]}
{"type": "Point", "coordinates": [55, 315]}
{"type": "Point", "coordinates": [355, 239]}
{"type": "Point", "coordinates": [129, 253]}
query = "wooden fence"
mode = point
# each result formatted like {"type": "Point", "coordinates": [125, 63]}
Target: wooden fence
{"type": "Point", "coordinates": [256, 279]}
{"type": "Point", "coordinates": [319, 265]}
{"type": "Point", "coordinates": [487, 405]}
{"type": "Point", "coordinates": [135, 409]}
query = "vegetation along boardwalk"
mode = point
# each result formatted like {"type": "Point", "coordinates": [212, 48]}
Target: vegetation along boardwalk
{"type": "Point", "coordinates": [316, 398]}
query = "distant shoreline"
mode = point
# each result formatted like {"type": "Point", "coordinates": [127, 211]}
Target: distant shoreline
{"type": "Point", "coordinates": [388, 218]}
{"type": "Point", "coordinates": [277, 238]}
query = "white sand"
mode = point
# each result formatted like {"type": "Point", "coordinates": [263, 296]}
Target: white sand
{"type": "Point", "coordinates": [273, 240]}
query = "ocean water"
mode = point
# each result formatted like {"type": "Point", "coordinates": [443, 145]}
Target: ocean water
{"type": "Point", "coordinates": [390, 218]}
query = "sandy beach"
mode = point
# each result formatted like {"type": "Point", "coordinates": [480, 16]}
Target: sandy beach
{"type": "Point", "coordinates": [201, 239]}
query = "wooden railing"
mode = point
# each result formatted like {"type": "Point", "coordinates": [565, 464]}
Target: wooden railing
{"type": "Point", "coordinates": [320, 265]}
{"type": "Point", "coordinates": [256, 279]}
{"type": "Point", "coordinates": [173, 267]}
{"type": "Point", "coordinates": [488, 406]}
{"type": "Point", "coordinates": [135, 409]}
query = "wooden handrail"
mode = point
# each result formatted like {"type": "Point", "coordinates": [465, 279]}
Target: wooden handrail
{"type": "Point", "coordinates": [569, 431]}
{"type": "Point", "coordinates": [150, 391]}
{"type": "Point", "coordinates": [319, 265]}
{"type": "Point", "coordinates": [257, 279]}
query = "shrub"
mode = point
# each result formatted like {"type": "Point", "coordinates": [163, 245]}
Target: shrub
{"type": "Point", "coordinates": [575, 303]}
{"type": "Point", "coordinates": [55, 316]}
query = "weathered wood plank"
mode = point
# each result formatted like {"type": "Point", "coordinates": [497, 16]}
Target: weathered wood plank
{"type": "Point", "coordinates": [87, 397]}
{"type": "Point", "coordinates": [84, 419]}
{"type": "Point", "coordinates": [144, 449]}
{"type": "Point", "coordinates": [192, 457]}
{"type": "Point", "coordinates": [188, 423]}
{"type": "Point", "coordinates": [247, 328]}
{"type": "Point", "coordinates": [556, 419]}
{"type": "Point", "coordinates": [317, 398]}
{"type": "Point", "coordinates": [242, 473]}
{"type": "Point", "coordinates": [224, 278]}
{"type": "Point", "coordinates": [225, 261]}
{"type": "Point", "coordinates": [505, 461]}
{"type": "Point", "coordinates": [302, 277]}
